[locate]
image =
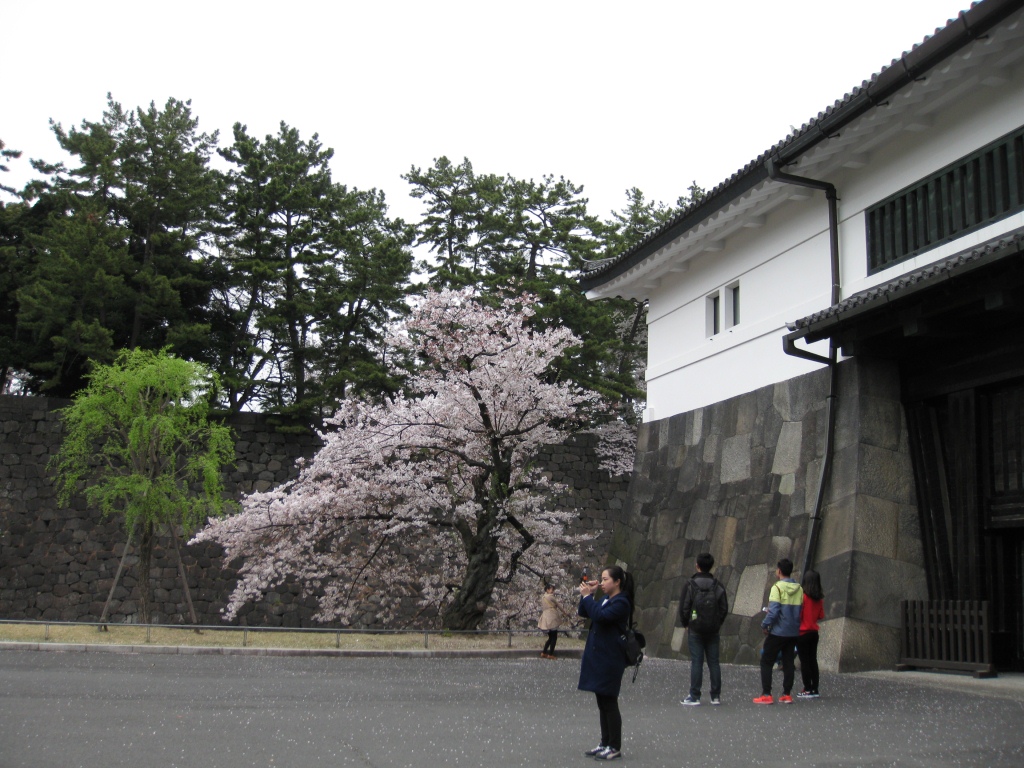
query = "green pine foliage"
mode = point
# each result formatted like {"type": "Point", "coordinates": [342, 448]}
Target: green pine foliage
{"type": "Point", "coordinates": [278, 278]}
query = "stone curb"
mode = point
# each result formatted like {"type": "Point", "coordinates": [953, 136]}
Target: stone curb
{"type": "Point", "coordinates": [199, 650]}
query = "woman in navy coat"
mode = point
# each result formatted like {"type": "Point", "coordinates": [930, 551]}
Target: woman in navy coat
{"type": "Point", "coordinates": [604, 657]}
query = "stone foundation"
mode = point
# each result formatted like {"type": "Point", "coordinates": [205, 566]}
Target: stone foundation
{"type": "Point", "coordinates": [58, 563]}
{"type": "Point", "coordinates": [739, 479]}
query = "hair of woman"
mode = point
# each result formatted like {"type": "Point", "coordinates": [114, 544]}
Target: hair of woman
{"type": "Point", "coordinates": [812, 585]}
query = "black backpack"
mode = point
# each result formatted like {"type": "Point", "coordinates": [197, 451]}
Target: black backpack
{"type": "Point", "coordinates": [704, 606]}
{"type": "Point", "coordinates": [634, 644]}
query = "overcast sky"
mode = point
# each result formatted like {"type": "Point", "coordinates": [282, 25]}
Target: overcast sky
{"type": "Point", "coordinates": [652, 94]}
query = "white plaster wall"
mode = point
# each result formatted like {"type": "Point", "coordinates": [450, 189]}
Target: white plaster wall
{"type": "Point", "coordinates": [783, 267]}
{"type": "Point", "coordinates": [784, 273]}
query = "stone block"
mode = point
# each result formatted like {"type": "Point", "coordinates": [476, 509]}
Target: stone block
{"type": "Point", "coordinates": [675, 456]}
{"type": "Point", "coordinates": [678, 637]}
{"type": "Point", "coordinates": [646, 438]}
{"type": "Point", "coordinates": [750, 595]}
{"type": "Point", "coordinates": [793, 400]}
{"type": "Point", "coordinates": [782, 546]}
{"type": "Point", "coordinates": [885, 474]}
{"type": "Point", "coordinates": [787, 459]}
{"type": "Point", "coordinates": [735, 459]}
{"type": "Point", "coordinates": [881, 422]}
{"type": "Point", "coordinates": [698, 526]}
{"type": "Point", "coordinates": [876, 526]}
{"type": "Point", "coordinates": [844, 480]}
{"type": "Point", "coordinates": [746, 414]}
{"type": "Point", "coordinates": [837, 528]}
{"type": "Point", "coordinates": [876, 586]}
{"type": "Point", "coordinates": [755, 551]}
{"type": "Point", "coordinates": [723, 541]}
{"type": "Point", "coordinates": [695, 427]}
{"type": "Point", "coordinates": [711, 446]}
{"type": "Point", "coordinates": [675, 558]}
{"type": "Point", "coordinates": [850, 645]}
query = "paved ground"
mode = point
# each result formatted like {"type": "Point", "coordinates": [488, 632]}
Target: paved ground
{"type": "Point", "coordinates": [143, 710]}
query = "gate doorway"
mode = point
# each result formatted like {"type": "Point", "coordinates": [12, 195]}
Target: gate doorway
{"type": "Point", "coordinates": [968, 449]}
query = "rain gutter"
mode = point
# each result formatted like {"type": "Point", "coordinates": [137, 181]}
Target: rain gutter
{"type": "Point", "coordinates": [771, 166]}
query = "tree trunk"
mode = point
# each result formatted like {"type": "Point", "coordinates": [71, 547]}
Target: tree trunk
{"type": "Point", "coordinates": [474, 595]}
{"type": "Point", "coordinates": [145, 562]}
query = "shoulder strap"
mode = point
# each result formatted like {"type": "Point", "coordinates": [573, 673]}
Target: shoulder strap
{"type": "Point", "coordinates": [629, 621]}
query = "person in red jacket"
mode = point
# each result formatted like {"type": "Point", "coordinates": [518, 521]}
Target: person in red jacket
{"type": "Point", "coordinates": [807, 643]}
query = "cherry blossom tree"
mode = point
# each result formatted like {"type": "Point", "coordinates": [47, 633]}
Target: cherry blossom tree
{"type": "Point", "coordinates": [434, 495]}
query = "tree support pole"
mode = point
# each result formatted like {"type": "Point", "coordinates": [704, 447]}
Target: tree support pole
{"type": "Point", "coordinates": [184, 579]}
{"type": "Point", "coordinates": [117, 578]}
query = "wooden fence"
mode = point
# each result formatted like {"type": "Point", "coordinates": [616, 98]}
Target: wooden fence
{"type": "Point", "coordinates": [946, 634]}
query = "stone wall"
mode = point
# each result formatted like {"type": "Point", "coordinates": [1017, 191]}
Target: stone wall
{"type": "Point", "coordinates": [739, 479]}
{"type": "Point", "coordinates": [58, 563]}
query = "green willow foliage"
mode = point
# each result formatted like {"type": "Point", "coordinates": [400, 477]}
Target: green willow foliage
{"type": "Point", "coordinates": [139, 444]}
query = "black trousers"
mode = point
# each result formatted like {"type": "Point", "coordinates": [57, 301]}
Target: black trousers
{"type": "Point", "coordinates": [772, 645]}
{"type": "Point", "coordinates": [549, 646]}
{"type": "Point", "coordinates": [611, 721]}
{"type": "Point", "coordinates": [807, 650]}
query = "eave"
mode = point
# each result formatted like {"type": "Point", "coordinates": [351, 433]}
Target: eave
{"type": "Point", "coordinates": [633, 273]}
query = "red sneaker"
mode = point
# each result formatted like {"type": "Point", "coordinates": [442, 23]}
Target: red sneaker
{"type": "Point", "coordinates": [785, 699]}
{"type": "Point", "coordinates": [765, 700]}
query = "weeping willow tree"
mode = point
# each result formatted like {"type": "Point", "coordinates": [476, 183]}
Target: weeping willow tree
{"type": "Point", "coordinates": [139, 445]}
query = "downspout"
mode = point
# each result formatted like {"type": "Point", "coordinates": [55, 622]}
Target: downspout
{"type": "Point", "coordinates": [790, 348]}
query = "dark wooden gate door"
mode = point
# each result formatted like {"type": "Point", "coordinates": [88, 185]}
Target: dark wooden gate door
{"type": "Point", "coordinates": [968, 448]}
{"type": "Point", "coordinates": [1001, 446]}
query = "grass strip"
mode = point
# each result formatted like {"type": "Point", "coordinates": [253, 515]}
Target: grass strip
{"type": "Point", "coordinates": [134, 634]}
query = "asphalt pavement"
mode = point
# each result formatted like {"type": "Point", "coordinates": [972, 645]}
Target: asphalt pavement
{"type": "Point", "coordinates": [213, 711]}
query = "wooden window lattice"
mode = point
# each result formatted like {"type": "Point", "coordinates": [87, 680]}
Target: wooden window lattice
{"type": "Point", "coordinates": [979, 189]}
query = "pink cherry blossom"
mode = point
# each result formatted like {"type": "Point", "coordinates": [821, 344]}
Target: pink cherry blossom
{"type": "Point", "coordinates": [434, 497]}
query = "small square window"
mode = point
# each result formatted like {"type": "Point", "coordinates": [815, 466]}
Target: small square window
{"type": "Point", "coordinates": [732, 305]}
{"type": "Point", "coordinates": [722, 309]}
{"type": "Point", "coordinates": [713, 315]}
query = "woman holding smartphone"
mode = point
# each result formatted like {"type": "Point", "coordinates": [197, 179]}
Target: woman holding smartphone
{"type": "Point", "coordinates": [604, 657]}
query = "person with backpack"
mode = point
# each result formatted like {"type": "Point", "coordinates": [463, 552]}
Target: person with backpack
{"type": "Point", "coordinates": [703, 607]}
{"type": "Point", "coordinates": [604, 656]}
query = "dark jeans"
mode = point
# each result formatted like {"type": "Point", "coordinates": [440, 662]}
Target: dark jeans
{"type": "Point", "coordinates": [772, 645]}
{"type": "Point", "coordinates": [807, 650]}
{"type": "Point", "coordinates": [549, 646]}
{"type": "Point", "coordinates": [702, 646]}
{"type": "Point", "coordinates": [611, 721]}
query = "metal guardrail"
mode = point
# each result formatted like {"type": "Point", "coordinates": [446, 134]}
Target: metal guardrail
{"type": "Point", "coordinates": [946, 634]}
{"type": "Point", "coordinates": [246, 630]}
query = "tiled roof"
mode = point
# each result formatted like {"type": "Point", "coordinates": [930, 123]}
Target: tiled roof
{"type": "Point", "coordinates": [906, 283]}
{"type": "Point", "coordinates": [912, 64]}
